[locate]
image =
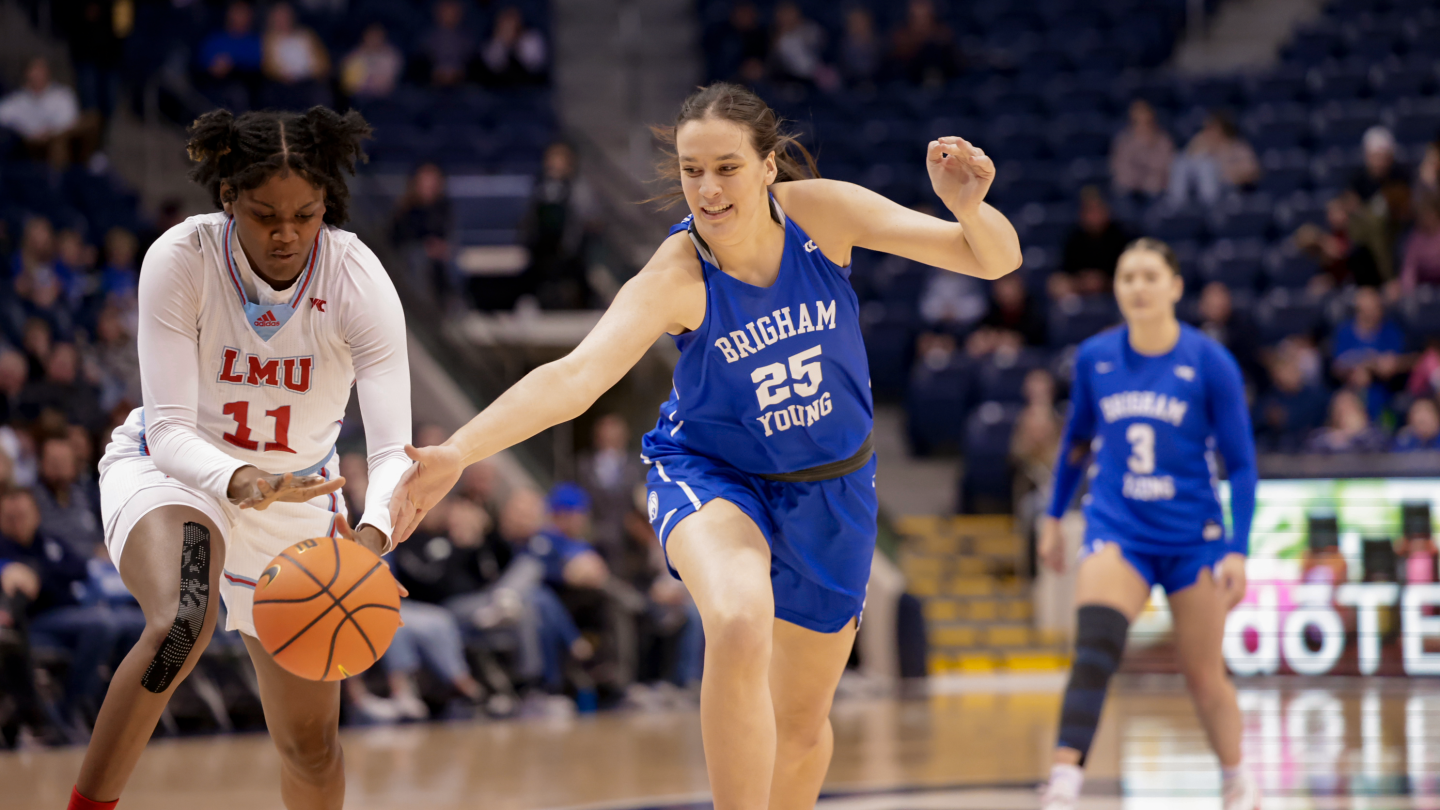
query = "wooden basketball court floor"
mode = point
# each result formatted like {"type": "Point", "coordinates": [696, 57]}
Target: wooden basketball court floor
{"type": "Point", "coordinates": [977, 744]}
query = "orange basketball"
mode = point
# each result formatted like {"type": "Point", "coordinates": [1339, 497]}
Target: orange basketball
{"type": "Point", "coordinates": [326, 609]}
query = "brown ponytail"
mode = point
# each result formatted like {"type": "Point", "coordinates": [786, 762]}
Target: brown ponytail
{"type": "Point", "coordinates": [740, 105]}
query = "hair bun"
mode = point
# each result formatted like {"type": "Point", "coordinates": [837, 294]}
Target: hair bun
{"type": "Point", "coordinates": [211, 136]}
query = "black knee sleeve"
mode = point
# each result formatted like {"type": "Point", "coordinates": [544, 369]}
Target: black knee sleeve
{"type": "Point", "coordinates": [194, 601]}
{"type": "Point", "coordinates": [1099, 645]}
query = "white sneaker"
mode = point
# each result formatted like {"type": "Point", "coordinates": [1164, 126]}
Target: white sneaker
{"type": "Point", "coordinates": [411, 707]}
{"type": "Point", "coordinates": [1063, 792]}
{"type": "Point", "coordinates": [377, 709]}
{"type": "Point", "coordinates": [1242, 793]}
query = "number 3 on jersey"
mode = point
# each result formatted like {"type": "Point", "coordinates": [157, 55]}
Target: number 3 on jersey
{"type": "Point", "coordinates": [774, 374]}
{"type": "Point", "coordinates": [1142, 448]}
{"type": "Point", "coordinates": [240, 412]}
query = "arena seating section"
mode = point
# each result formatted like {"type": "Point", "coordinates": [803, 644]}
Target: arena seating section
{"type": "Point", "coordinates": [1045, 88]}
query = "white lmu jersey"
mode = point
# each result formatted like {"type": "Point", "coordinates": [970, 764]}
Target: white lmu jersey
{"type": "Point", "coordinates": [236, 373]}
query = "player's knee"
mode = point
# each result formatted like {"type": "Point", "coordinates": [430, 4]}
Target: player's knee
{"type": "Point", "coordinates": [312, 753]}
{"type": "Point", "coordinates": [739, 634]}
{"type": "Point", "coordinates": [801, 729]}
{"type": "Point", "coordinates": [1099, 645]}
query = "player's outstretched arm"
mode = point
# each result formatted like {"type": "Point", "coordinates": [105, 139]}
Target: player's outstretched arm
{"type": "Point", "coordinates": [981, 242]}
{"type": "Point", "coordinates": [667, 296]}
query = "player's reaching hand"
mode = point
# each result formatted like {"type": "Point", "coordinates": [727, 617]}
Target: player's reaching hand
{"type": "Point", "coordinates": [960, 172]}
{"type": "Point", "coordinates": [252, 489]}
{"type": "Point", "coordinates": [429, 479]}
{"type": "Point", "coordinates": [1230, 576]}
{"type": "Point", "coordinates": [1052, 544]}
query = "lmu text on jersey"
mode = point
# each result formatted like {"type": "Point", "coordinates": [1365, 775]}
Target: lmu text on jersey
{"type": "Point", "coordinates": [290, 373]}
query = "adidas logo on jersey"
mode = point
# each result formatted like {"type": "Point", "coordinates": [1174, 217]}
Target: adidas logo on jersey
{"type": "Point", "coordinates": [290, 373]}
{"type": "Point", "coordinates": [268, 319]}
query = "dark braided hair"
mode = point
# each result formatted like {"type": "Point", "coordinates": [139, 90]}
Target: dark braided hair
{"type": "Point", "coordinates": [245, 152]}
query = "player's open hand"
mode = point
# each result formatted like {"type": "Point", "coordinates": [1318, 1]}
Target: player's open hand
{"type": "Point", "coordinates": [429, 479]}
{"type": "Point", "coordinates": [960, 172]}
{"type": "Point", "coordinates": [1051, 545]}
{"type": "Point", "coordinates": [369, 537]}
{"type": "Point", "coordinates": [1230, 576]}
{"type": "Point", "coordinates": [252, 489]}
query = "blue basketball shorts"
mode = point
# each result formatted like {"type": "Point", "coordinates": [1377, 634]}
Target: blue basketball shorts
{"type": "Point", "coordinates": [821, 534]}
{"type": "Point", "coordinates": [1172, 568]}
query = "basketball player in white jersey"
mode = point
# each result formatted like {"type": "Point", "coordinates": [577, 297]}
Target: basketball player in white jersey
{"type": "Point", "coordinates": [254, 324]}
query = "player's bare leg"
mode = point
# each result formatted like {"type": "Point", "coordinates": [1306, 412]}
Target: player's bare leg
{"type": "Point", "coordinates": [725, 562]}
{"type": "Point", "coordinates": [805, 668]}
{"type": "Point", "coordinates": [304, 721]}
{"type": "Point", "coordinates": [1199, 612]}
{"type": "Point", "coordinates": [151, 569]}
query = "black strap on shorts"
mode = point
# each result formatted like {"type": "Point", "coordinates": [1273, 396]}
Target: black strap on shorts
{"type": "Point", "coordinates": [825, 472]}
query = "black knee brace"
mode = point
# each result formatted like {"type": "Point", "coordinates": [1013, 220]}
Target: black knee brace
{"type": "Point", "coordinates": [194, 601]}
{"type": "Point", "coordinates": [1099, 645]}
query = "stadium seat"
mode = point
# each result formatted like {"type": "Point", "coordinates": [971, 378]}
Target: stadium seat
{"type": "Point", "coordinates": [1282, 313]}
{"type": "Point", "coordinates": [935, 406]}
{"type": "Point", "coordinates": [1073, 319]}
{"type": "Point", "coordinates": [983, 487]}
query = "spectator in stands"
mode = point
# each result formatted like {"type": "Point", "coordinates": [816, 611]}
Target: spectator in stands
{"type": "Point", "coordinates": [1216, 160]}
{"type": "Point", "coordinates": [46, 116]}
{"type": "Point", "coordinates": [1092, 248]}
{"type": "Point", "coordinates": [448, 48]}
{"type": "Point", "coordinates": [96, 32]}
{"type": "Point", "coordinates": [922, 49]}
{"type": "Point", "coordinates": [1034, 447]}
{"type": "Point", "coordinates": [295, 62]}
{"type": "Point", "coordinates": [63, 390]}
{"type": "Point", "coordinates": [1421, 265]}
{"type": "Point", "coordinates": [1012, 310]}
{"type": "Point", "coordinates": [861, 54]}
{"type": "Point", "coordinates": [610, 473]}
{"type": "Point", "coordinates": [118, 362]}
{"type": "Point", "coordinates": [1349, 430]}
{"type": "Point", "coordinates": [796, 54]}
{"type": "Point", "coordinates": [558, 226]}
{"type": "Point", "coordinates": [47, 588]}
{"type": "Point", "coordinates": [1349, 250]}
{"type": "Point", "coordinates": [230, 59]}
{"type": "Point", "coordinates": [1372, 346]}
{"type": "Point", "coordinates": [1141, 154]}
{"type": "Point", "coordinates": [423, 226]}
{"type": "Point", "coordinates": [1422, 428]}
{"type": "Point", "coordinates": [373, 68]}
{"type": "Point", "coordinates": [1380, 166]}
{"type": "Point", "coordinates": [514, 56]}
{"type": "Point", "coordinates": [120, 277]}
{"type": "Point", "coordinates": [75, 266]}
{"type": "Point", "coordinates": [13, 372]}
{"type": "Point", "coordinates": [38, 343]}
{"type": "Point", "coordinates": [41, 296]}
{"type": "Point", "coordinates": [67, 512]}
{"type": "Point", "coordinates": [1233, 330]}
{"type": "Point", "coordinates": [1427, 176]}
{"type": "Point", "coordinates": [1290, 410]}
{"type": "Point", "coordinates": [742, 45]}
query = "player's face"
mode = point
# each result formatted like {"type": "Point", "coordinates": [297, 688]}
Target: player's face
{"type": "Point", "coordinates": [724, 179]}
{"type": "Point", "coordinates": [277, 222]}
{"type": "Point", "coordinates": [1145, 286]}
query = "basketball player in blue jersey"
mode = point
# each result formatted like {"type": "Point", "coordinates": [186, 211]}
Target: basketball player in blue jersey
{"type": "Point", "coordinates": [1150, 403]}
{"type": "Point", "coordinates": [762, 476]}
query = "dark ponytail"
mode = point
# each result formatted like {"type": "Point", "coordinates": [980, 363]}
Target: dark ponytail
{"type": "Point", "coordinates": [320, 144]}
{"type": "Point", "coordinates": [739, 105]}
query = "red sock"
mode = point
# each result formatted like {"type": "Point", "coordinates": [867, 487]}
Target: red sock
{"type": "Point", "coordinates": [78, 802]}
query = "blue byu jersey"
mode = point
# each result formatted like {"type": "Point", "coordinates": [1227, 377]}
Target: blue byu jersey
{"type": "Point", "coordinates": [775, 380]}
{"type": "Point", "coordinates": [1153, 424]}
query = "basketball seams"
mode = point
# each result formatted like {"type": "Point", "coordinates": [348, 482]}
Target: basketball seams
{"type": "Point", "coordinates": [349, 617]}
{"type": "Point", "coordinates": [349, 613]}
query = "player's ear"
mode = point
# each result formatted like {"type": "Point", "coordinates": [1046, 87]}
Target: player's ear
{"type": "Point", "coordinates": [227, 197]}
{"type": "Point", "coordinates": [772, 169]}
